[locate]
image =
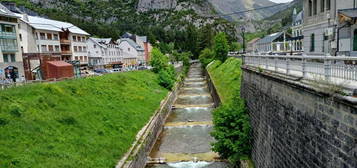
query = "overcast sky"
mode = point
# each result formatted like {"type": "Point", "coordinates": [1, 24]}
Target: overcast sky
{"type": "Point", "coordinates": [281, 1]}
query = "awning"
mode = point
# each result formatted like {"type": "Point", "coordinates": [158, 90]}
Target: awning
{"type": "Point", "coordinates": [346, 15]}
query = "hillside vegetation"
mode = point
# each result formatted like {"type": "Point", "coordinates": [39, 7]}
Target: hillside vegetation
{"type": "Point", "coordinates": [226, 77]}
{"type": "Point", "coordinates": [78, 123]}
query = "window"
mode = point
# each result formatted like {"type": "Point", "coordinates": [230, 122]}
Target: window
{"type": "Point", "coordinates": [74, 38]}
{"type": "Point", "coordinates": [83, 39]}
{"type": "Point", "coordinates": [12, 56]}
{"type": "Point", "coordinates": [328, 4]}
{"type": "Point", "coordinates": [9, 28]}
{"type": "Point", "coordinates": [6, 58]}
{"type": "Point", "coordinates": [20, 36]}
{"type": "Point", "coordinates": [43, 48]}
{"type": "Point", "coordinates": [80, 49]}
{"type": "Point", "coordinates": [355, 40]}
{"type": "Point", "coordinates": [36, 36]}
{"type": "Point", "coordinates": [84, 49]}
{"type": "Point", "coordinates": [94, 46]}
{"type": "Point", "coordinates": [57, 48]}
{"type": "Point", "coordinates": [55, 37]}
{"type": "Point", "coordinates": [76, 57]}
{"type": "Point", "coordinates": [85, 58]}
{"type": "Point", "coordinates": [81, 58]}
{"type": "Point", "coordinates": [49, 36]}
{"type": "Point", "coordinates": [312, 45]}
{"type": "Point", "coordinates": [50, 48]}
{"type": "Point", "coordinates": [42, 36]}
{"type": "Point", "coordinates": [75, 48]}
{"type": "Point", "coordinates": [315, 7]}
{"type": "Point", "coordinates": [78, 39]}
{"type": "Point", "coordinates": [322, 5]}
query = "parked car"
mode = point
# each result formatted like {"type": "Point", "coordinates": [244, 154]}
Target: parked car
{"type": "Point", "coordinates": [101, 71]}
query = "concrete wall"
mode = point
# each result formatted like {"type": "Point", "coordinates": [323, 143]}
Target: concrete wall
{"type": "Point", "coordinates": [295, 126]}
{"type": "Point", "coordinates": [137, 155]}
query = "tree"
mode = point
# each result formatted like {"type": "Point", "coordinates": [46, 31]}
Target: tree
{"type": "Point", "coordinates": [232, 130]}
{"type": "Point", "coordinates": [206, 56]}
{"type": "Point", "coordinates": [158, 61]}
{"type": "Point", "coordinates": [221, 47]}
{"type": "Point", "coordinates": [235, 46]}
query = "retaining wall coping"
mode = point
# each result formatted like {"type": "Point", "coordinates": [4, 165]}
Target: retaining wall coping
{"type": "Point", "coordinates": [303, 84]}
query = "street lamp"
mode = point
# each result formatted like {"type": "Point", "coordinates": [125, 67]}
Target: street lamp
{"type": "Point", "coordinates": [243, 35]}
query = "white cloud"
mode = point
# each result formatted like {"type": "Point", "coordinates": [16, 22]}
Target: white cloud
{"type": "Point", "coordinates": [281, 1]}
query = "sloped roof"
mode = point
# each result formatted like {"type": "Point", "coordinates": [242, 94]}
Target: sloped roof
{"type": "Point", "coordinates": [59, 63]}
{"type": "Point", "coordinates": [254, 40]}
{"type": "Point", "coordinates": [299, 18]}
{"type": "Point", "coordinates": [103, 42]}
{"type": "Point", "coordinates": [6, 12]}
{"type": "Point", "coordinates": [132, 43]}
{"type": "Point", "coordinates": [270, 38]}
{"type": "Point", "coordinates": [351, 13]}
{"type": "Point", "coordinates": [51, 25]}
{"type": "Point", "coordinates": [143, 38]}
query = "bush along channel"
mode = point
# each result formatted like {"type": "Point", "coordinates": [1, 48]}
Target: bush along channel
{"type": "Point", "coordinates": [231, 120]}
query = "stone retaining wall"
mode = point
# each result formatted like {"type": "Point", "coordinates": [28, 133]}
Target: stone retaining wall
{"type": "Point", "coordinates": [137, 157]}
{"type": "Point", "coordinates": [296, 126]}
{"type": "Point", "coordinates": [212, 89]}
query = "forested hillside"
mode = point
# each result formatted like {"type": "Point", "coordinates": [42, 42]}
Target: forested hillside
{"type": "Point", "coordinates": [111, 18]}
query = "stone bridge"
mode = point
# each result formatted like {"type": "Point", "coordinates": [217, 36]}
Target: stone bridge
{"type": "Point", "coordinates": [299, 123]}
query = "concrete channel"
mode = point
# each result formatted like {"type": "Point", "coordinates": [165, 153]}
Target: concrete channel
{"type": "Point", "coordinates": [185, 140]}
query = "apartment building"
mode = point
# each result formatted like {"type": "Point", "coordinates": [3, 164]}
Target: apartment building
{"type": "Point", "coordinates": [11, 66]}
{"type": "Point", "coordinates": [133, 53]}
{"type": "Point", "coordinates": [324, 31]}
{"type": "Point", "coordinates": [104, 52]}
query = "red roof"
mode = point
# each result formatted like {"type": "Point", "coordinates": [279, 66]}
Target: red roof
{"type": "Point", "coordinates": [59, 63]}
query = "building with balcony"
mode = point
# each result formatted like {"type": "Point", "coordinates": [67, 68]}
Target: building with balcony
{"type": "Point", "coordinates": [296, 29]}
{"type": "Point", "coordinates": [276, 43]}
{"type": "Point", "coordinates": [324, 31]}
{"type": "Point", "coordinates": [11, 66]}
{"type": "Point", "coordinates": [104, 52]}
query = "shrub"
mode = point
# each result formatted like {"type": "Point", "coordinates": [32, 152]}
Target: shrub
{"type": "Point", "coordinates": [206, 57]}
{"type": "Point", "coordinates": [167, 77]}
{"type": "Point", "coordinates": [158, 61]}
{"type": "Point", "coordinates": [231, 130]}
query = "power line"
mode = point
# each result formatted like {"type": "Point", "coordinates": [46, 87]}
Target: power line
{"type": "Point", "coordinates": [249, 10]}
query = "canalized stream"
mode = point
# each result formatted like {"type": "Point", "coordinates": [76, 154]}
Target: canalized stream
{"type": "Point", "coordinates": [185, 141]}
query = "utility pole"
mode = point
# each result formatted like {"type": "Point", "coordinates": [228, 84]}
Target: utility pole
{"type": "Point", "coordinates": [243, 35]}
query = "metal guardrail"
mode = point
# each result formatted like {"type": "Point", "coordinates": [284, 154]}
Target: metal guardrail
{"type": "Point", "coordinates": [328, 67]}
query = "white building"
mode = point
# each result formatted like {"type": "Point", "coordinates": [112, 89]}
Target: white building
{"type": "Point", "coordinates": [297, 35]}
{"type": "Point", "coordinates": [133, 54]}
{"type": "Point", "coordinates": [274, 43]}
{"type": "Point", "coordinates": [103, 52]}
{"type": "Point", "coordinates": [41, 35]}
{"type": "Point", "coordinates": [11, 65]}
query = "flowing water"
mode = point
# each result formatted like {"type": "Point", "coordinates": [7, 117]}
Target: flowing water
{"type": "Point", "coordinates": [185, 141]}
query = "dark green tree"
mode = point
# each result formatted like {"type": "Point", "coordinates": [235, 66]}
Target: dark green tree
{"type": "Point", "coordinates": [221, 47]}
{"type": "Point", "coordinates": [206, 56]}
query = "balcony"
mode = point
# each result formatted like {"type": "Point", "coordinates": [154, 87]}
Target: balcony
{"type": "Point", "coordinates": [65, 41]}
{"type": "Point", "coordinates": [64, 52]}
{"type": "Point", "coordinates": [10, 48]}
{"type": "Point", "coordinates": [8, 35]}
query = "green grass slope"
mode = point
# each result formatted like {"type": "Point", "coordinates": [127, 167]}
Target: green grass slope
{"type": "Point", "coordinates": [79, 123]}
{"type": "Point", "coordinates": [226, 77]}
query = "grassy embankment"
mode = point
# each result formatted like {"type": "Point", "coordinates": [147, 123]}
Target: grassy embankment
{"type": "Point", "coordinates": [79, 123]}
{"type": "Point", "coordinates": [226, 77]}
{"type": "Point", "coordinates": [227, 80]}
